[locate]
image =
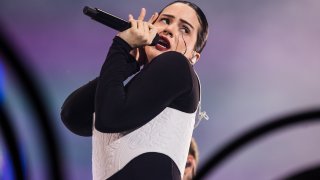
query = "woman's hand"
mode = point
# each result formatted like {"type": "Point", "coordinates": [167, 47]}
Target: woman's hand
{"type": "Point", "coordinates": [141, 32]}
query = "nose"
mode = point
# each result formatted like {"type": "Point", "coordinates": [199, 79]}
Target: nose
{"type": "Point", "coordinates": [169, 30]}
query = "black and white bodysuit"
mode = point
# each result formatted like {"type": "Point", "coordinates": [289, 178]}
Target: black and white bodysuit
{"type": "Point", "coordinates": [140, 130]}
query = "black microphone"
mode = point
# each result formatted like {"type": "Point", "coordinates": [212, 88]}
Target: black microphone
{"type": "Point", "coordinates": [112, 21]}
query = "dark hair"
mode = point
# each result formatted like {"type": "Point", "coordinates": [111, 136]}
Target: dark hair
{"type": "Point", "coordinates": [203, 32]}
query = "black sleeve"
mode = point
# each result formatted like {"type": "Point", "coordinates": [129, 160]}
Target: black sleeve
{"type": "Point", "coordinates": [77, 110]}
{"type": "Point", "coordinates": [120, 108]}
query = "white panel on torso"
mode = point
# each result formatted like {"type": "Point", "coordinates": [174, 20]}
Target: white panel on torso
{"type": "Point", "coordinates": [169, 133]}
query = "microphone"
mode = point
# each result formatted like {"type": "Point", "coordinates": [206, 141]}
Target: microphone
{"type": "Point", "coordinates": [112, 21]}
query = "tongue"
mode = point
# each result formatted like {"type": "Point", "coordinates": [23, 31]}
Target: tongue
{"type": "Point", "coordinates": [161, 47]}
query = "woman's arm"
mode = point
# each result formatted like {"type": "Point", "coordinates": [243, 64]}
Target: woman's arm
{"type": "Point", "coordinates": [77, 110]}
{"type": "Point", "coordinates": [120, 108]}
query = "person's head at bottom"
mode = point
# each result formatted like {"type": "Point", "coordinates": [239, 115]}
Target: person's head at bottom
{"type": "Point", "coordinates": [192, 161]}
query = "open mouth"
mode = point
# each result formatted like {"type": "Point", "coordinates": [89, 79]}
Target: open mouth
{"type": "Point", "coordinates": [163, 44]}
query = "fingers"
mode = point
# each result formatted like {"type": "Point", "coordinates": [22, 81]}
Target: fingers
{"type": "Point", "coordinates": [153, 18]}
{"type": "Point", "coordinates": [130, 17]}
{"type": "Point", "coordinates": [140, 25]}
{"type": "Point", "coordinates": [141, 32]}
{"type": "Point", "coordinates": [153, 31]}
{"type": "Point", "coordinates": [146, 27]}
{"type": "Point", "coordinates": [132, 21]}
{"type": "Point", "coordinates": [139, 22]}
{"type": "Point", "coordinates": [142, 14]}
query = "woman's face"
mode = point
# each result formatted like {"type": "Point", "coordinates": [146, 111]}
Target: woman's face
{"type": "Point", "coordinates": [178, 26]}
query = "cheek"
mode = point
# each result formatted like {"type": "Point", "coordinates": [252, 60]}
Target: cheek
{"type": "Point", "coordinates": [192, 42]}
{"type": "Point", "coordinates": [159, 26]}
{"type": "Point", "coordinates": [187, 41]}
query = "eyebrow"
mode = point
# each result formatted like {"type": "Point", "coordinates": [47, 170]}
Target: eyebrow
{"type": "Point", "coordinates": [184, 21]}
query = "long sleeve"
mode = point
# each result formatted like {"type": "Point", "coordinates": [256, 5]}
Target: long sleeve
{"type": "Point", "coordinates": [166, 79]}
{"type": "Point", "coordinates": [78, 108]}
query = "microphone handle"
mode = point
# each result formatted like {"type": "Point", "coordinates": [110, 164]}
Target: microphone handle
{"type": "Point", "coordinates": [112, 21]}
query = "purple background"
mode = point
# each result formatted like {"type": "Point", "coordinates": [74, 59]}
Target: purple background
{"type": "Point", "coordinates": [262, 60]}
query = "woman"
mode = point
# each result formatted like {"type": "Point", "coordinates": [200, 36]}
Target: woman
{"type": "Point", "coordinates": [142, 130]}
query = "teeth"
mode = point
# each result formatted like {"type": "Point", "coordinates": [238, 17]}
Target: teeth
{"type": "Point", "coordinates": [163, 43]}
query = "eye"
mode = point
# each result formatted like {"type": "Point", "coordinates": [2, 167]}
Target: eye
{"type": "Point", "coordinates": [165, 20]}
{"type": "Point", "coordinates": [185, 29]}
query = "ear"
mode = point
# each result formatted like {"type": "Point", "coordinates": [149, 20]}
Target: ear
{"type": "Point", "coordinates": [195, 57]}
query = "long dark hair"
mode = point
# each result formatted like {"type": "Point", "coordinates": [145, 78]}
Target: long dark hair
{"type": "Point", "coordinates": [203, 32]}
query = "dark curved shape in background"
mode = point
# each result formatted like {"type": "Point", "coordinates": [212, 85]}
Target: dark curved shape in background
{"type": "Point", "coordinates": [310, 173]}
{"type": "Point", "coordinates": [264, 129]}
{"type": "Point", "coordinates": [30, 87]}
{"type": "Point", "coordinates": [11, 142]}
